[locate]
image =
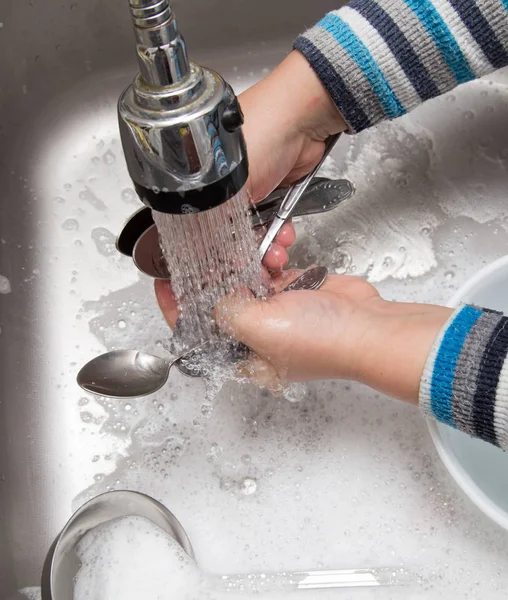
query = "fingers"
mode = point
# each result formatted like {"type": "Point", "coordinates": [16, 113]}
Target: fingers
{"type": "Point", "coordinates": [231, 314]}
{"type": "Point", "coordinates": [261, 373]}
{"type": "Point", "coordinates": [167, 301]}
{"type": "Point", "coordinates": [286, 236]}
{"type": "Point", "coordinates": [277, 257]}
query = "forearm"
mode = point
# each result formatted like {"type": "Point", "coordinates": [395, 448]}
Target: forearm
{"type": "Point", "coordinates": [399, 338]}
{"type": "Point", "coordinates": [380, 59]}
{"type": "Point", "coordinates": [454, 364]}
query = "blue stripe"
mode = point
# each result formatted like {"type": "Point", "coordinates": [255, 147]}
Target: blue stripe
{"type": "Point", "coordinates": [443, 38]}
{"type": "Point", "coordinates": [482, 32]}
{"type": "Point", "coordinates": [363, 58]}
{"type": "Point", "coordinates": [351, 111]}
{"type": "Point", "coordinates": [399, 45]}
{"type": "Point", "coordinates": [441, 387]}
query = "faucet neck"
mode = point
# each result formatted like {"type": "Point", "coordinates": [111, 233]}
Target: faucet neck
{"type": "Point", "coordinates": [161, 52]}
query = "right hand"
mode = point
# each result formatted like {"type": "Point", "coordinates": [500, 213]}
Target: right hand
{"type": "Point", "coordinates": [288, 117]}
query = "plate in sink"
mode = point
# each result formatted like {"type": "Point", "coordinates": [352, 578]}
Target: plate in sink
{"type": "Point", "coordinates": [478, 467]}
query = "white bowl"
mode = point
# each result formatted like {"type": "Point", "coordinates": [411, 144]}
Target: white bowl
{"type": "Point", "coordinates": [478, 467]}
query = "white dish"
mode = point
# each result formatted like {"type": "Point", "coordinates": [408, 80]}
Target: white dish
{"type": "Point", "coordinates": [479, 468]}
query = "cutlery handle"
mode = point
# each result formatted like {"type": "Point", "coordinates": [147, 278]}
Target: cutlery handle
{"type": "Point", "coordinates": [312, 580]}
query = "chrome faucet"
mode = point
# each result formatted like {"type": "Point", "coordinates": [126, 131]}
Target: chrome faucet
{"type": "Point", "coordinates": [180, 123]}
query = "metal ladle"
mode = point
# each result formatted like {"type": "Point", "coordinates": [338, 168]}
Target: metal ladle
{"type": "Point", "coordinates": [62, 563]}
{"type": "Point", "coordinates": [132, 374]}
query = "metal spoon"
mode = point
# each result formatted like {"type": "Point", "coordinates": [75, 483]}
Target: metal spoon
{"type": "Point", "coordinates": [62, 563]}
{"type": "Point", "coordinates": [132, 374]}
{"type": "Point", "coordinates": [139, 238]}
{"type": "Point", "coordinates": [128, 373]}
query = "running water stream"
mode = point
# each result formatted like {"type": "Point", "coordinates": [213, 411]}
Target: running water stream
{"type": "Point", "coordinates": [209, 255]}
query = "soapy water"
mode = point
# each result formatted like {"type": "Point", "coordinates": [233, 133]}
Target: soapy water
{"type": "Point", "coordinates": [417, 512]}
{"type": "Point", "coordinates": [132, 558]}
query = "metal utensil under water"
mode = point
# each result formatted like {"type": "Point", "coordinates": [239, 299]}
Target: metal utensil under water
{"type": "Point", "coordinates": [132, 374]}
{"type": "Point", "coordinates": [63, 564]}
{"type": "Point", "coordinates": [139, 238]}
{"type": "Point", "coordinates": [128, 373]}
{"type": "Point", "coordinates": [292, 198]}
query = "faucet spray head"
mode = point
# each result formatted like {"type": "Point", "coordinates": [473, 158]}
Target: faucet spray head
{"type": "Point", "coordinates": [180, 123]}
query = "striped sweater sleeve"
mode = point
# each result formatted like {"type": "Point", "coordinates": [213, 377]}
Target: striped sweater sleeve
{"type": "Point", "coordinates": [379, 59]}
{"type": "Point", "coordinates": [465, 381]}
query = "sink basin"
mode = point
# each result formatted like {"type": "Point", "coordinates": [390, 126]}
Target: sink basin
{"type": "Point", "coordinates": [345, 478]}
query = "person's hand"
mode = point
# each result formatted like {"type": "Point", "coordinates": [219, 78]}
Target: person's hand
{"type": "Point", "coordinates": [288, 116]}
{"type": "Point", "coordinates": [344, 330]}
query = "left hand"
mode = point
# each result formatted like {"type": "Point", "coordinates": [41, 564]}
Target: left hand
{"type": "Point", "coordinates": [344, 330]}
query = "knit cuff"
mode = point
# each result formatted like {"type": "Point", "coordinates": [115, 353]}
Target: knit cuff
{"type": "Point", "coordinates": [465, 380]}
{"type": "Point", "coordinates": [379, 59]}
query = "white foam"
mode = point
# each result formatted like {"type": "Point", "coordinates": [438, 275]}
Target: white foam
{"type": "Point", "coordinates": [131, 559]}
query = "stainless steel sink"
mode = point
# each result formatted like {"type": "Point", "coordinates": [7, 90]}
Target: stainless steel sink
{"type": "Point", "coordinates": [430, 210]}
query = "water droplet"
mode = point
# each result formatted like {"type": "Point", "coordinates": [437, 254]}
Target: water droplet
{"type": "Point", "coordinates": [425, 231]}
{"type": "Point", "coordinates": [387, 262]}
{"type": "Point", "coordinates": [104, 241]}
{"type": "Point", "coordinates": [95, 458]}
{"type": "Point", "coordinates": [5, 285]}
{"type": "Point", "coordinates": [449, 275]}
{"type": "Point", "coordinates": [108, 157]}
{"type": "Point", "coordinates": [67, 187]}
{"type": "Point", "coordinates": [469, 114]}
{"type": "Point", "coordinates": [341, 260]}
{"type": "Point", "coordinates": [450, 97]}
{"type": "Point", "coordinates": [78, 243]}
{"type": "Point", "coordinates": [96, 160]}
{"type": "Point", "coordinates": [129, 196]}
{"type": "Point", "coordinates": [83, 401]}
{"type": "Point", "coordinates": [70, 225]}
{"type": "Point", "coordinates": [246, 459]}
{"type": "Point", "coordinates": [59, 200]}
{"type": "Point", "coordinates": [248, 486]}
{"type": "Point", "coordinates": [86, 417]}
{"type": "Point", "coordinates": [122, 324]}
{"type": "Point", "coordinates": [92, 199]}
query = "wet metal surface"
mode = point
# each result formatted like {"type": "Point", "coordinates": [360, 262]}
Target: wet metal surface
{"type": "Point", "coordinates": [356, 472]}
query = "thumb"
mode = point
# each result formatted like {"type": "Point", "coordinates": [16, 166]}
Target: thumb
{"type": "Point", "coordinates": [235, 314]}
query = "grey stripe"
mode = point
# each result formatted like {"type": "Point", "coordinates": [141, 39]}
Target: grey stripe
{"type": "Point", "coordinates": [468, 368]}
{"type": "Point", "coordinates": [496, 15]}
{"type": "Point", "coordinates": [427, 51]}
{"type": "Point", "coordinates": [350, 72]}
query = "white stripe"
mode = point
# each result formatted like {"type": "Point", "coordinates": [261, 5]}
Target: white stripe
{"type": "Point", "coordinates": [470, 49]}
{"type": "Point", "coordinates": [424, 398]}
{"type": "Point", "coordinates": [501, 408]}
{"type": "Point", "coordinates": [385, 59]}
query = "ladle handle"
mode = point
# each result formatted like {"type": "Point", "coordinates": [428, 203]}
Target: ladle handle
{"type": "Point", "coordinates": [313, 580]}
